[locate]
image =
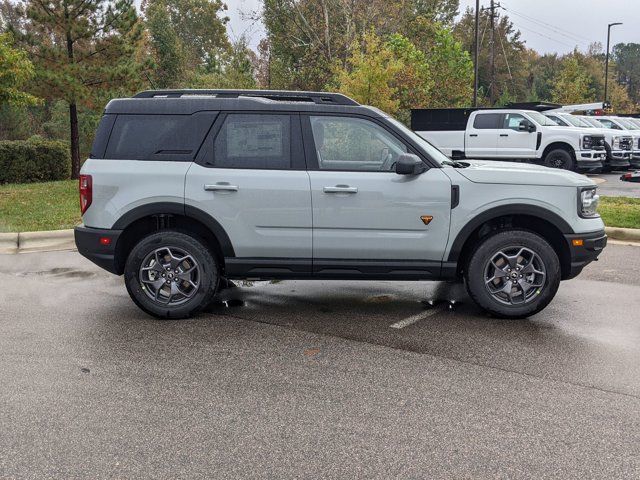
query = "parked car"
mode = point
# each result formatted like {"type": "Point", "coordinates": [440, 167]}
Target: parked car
{"type": "Point", "coordinates": [628, 128]}
{"type": "Point", "coordinates": [187, 188]}
{"type": "Point", "coordinates": [509, 134]}
{"type": "Point", "coordinates": [618, 147]}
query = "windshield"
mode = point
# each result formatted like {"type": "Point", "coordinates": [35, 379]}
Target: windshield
{"type": "Point", "coordinates": [595, 122]}
{"type": "Point", "coordinates": [429, 149]}
{"type": "Point", "coordinates": [627, 124]}
{"type": "Point", "coordinates": [576, 122]}
{"type": "Point", "coordinates": [542, 120]}
{"type": "Point", "coordinates": [635, 121]}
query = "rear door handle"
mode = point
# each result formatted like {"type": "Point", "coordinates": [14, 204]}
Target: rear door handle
{"type": "Point", "coordinates": [473, 135]}
{"type": "Point", "coordinates": [221, 187]}
{"type": "Point", "coordinates": [340, 189]}
{"type": "Point", "coordinates": [504, 134]}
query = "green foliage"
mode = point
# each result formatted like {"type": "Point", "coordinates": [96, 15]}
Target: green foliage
{"type": "Point", "coordinates": [33, 160]}
{"type": "Point", "coordinates": [572, 84]}
{"type": "Point", "coordinates": [187, 39]}
{"type": "Point", "coordinates": [57, 125]}
{"type": "Point", "coordinates": [370, 74]}
{"type": "Point", "coordinates": [627, 59]}
{"type": "Point", "coordinates": [15, 71]}
{"type": "Point", "coordinates": [234, 70]}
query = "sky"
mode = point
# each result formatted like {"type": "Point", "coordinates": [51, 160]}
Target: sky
{"type": "Point", "coordinates": [546, 25]}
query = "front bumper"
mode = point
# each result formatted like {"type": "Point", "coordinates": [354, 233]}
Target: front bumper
{"type": "Point", "coordinates": [581, 255]}
{"type": "Point", "coordinates": [91, 244]}
{"type": "Point", "coordinates": [619, 158]}
{"type": "Point", "coordinates": [590, 160]}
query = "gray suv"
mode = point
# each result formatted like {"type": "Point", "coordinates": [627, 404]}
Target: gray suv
{"type": "Point", "coordinates": [185, 189]}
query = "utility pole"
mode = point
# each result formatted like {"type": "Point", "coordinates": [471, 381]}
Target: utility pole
{"type": "Point", "coordinates": [475, 56]}
{"type": "Point", "coordinates": [606, 63]}
{"type": "Point", "coordinates": [492, 53]}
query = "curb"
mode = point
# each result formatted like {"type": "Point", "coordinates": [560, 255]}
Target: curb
{"type": "Point", "coordinates": [628, 234]}
{"type": "Point", "coordinates": [64, 240]}
{"type": "Point", "coordinates": [46, 241]}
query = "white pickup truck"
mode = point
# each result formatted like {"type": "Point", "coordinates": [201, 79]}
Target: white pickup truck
{"type": "Point", "coordinates": [509, 134]}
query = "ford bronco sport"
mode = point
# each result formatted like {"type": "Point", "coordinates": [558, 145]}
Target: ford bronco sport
{"type": "Point", "coordinates": [187, 188]}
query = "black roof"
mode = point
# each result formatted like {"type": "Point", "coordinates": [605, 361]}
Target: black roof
{"type": "Point", "coordinates": [190, 101]}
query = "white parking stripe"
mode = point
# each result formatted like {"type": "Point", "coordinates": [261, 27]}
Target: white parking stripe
{"type": "Point", "coordinates": [416, 318]}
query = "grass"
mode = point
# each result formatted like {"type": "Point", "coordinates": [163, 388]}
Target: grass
{"type": "Point", "coordinates": [620, 211]}
{"type": "Point", "coordinates": [30, 207]}
{"type": "Point", "coordinates": [54, 205]}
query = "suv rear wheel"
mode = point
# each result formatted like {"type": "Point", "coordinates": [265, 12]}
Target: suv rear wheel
{"type": "Point", "coordinates": [513, 274]}
{"type": "Point", "coordinates": [170, 274]}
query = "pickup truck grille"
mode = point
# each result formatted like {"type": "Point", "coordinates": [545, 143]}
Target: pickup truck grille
{"type": "Point", "coordinates": [626, 143]}
{"type": "Point", "coordinates": [597, 142]}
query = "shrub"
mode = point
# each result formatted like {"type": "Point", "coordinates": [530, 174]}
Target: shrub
{"type": "Point", "coordinates": [34, 160]}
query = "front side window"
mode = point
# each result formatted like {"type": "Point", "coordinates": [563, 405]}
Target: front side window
{"type": "Point", "coordinates": [512, 121]}
{"type": "Point", "coordinates": [253, 141]}
{"type": "Point", "coordinates": [347, 143]}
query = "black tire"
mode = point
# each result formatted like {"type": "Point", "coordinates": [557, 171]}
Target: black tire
{"type": "Point", "coordinates": [511, 240]}
{"type": "Point", "coordinates": [559, 158]}
{"type": "Point", "coordinates": [208, 275]}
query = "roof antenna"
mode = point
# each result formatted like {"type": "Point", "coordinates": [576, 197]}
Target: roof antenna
{"type": "Point", "coordinates": [150, 81]}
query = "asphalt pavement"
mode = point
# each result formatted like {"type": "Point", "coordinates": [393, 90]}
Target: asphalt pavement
{"type": "Point", "coordinates": [609, 184]}
{"type": "Point", "coordinates": [317, 380]}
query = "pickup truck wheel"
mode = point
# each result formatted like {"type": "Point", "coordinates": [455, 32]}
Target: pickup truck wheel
{"type": "Point", "coordinates": [559, 158]}
{"type": "Point", "coordinates": [513, 274]}
{"type": "Point", "coordinates": [169, 274]}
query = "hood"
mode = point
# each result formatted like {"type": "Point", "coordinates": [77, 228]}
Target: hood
{"type": "Point", "coordinates": [512, 173]}
{"type": "Point", "coordinates": [564, 129]}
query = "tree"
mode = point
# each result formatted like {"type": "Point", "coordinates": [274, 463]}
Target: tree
{"type": "Point", "coordinates": [80, 47]}
{"type": "Point", "coordinates": [187, 38]}
{"type": "Point", "coordinates": [451, 70]}
{"type": "Point", "coordinates": [370, 73]}
{"type": "Point", "coordinates": [627, 59]}
{"type": "Point", "coordinates": [15, 71]}
{"type": "Point", "coordinates": [572, 84]}
{"type": "Point", "coordinates": [441, 11]}
{"type": "Point", "coordinates": [510, 55]}
{"type": "Point", "coordinates": [235, 69]}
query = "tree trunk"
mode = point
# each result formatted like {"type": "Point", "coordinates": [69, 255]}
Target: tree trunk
{"type": "Point", "coordinates": [75, 141]}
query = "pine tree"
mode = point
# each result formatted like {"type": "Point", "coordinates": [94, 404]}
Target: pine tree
{"type": "Point", "coordinates": [79, 48]}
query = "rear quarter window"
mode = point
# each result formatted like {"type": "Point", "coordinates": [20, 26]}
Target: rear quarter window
{"type": "Point", "coordinates": [487, 121]}
{"type": "Point", "coordinates": [158, 137]}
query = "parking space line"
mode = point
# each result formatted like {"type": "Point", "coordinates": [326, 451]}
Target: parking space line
{"type": "Point", "coordinates": [416, 318]}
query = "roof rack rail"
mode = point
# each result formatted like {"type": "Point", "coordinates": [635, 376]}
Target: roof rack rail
{"type": "Point", "coordinates": [282, 95]}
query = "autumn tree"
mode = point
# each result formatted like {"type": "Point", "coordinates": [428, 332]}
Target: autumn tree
{"type": "Point", "coordinates": [15, 71]}
{"type": "Point", "coordinates": [572, 84]}
{"type": "Point", "coordinates": [235, 68]}
{"type": "Point", "coordinates": [79, 47]}
{"type": "Point", "coordinates": [370, 74]}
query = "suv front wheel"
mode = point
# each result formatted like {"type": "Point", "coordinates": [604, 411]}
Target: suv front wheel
{"type": "Point", "coordinates": [513, 274]}
{"type": "Point", "coordinates": [169, 274]}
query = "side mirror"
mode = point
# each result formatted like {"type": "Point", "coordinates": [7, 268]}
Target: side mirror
{"type": "Point", "coordinates": [526, 126]}
{"type": "Point", "coordinates": [410, 164]}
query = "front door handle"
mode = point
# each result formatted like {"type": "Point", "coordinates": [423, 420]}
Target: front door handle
{"type": "Point", "coordinates": [340, 189]}
{"type": "Point", "coordinates": [473, 134]}
{"type": "Point", "coordinates": [504, 134]}
{"type": "Point", "coordinates": [221, 187]}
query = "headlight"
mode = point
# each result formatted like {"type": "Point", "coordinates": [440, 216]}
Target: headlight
{"type": "Point", "coordinates": [616, 143]}
{"type": "Point", "coordinates": [586, 142]}
{"type": "Point", "coordinates": [588, 201]}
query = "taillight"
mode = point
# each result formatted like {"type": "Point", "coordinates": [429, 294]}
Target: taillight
{"type": "Point", "coordinates": [86, 192]}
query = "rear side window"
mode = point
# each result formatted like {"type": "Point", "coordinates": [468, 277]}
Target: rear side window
{"type": "Point", "coordinates": [253, 141]}
{"type": "Point", "coordinates": [158, 137]}
{"type": "Point", "coordinates": [487, 120]}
